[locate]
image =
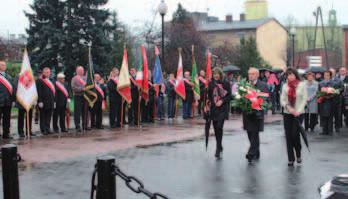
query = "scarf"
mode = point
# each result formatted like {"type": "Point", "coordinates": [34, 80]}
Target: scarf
{"type": "Point", "coordinates": [292, 92]}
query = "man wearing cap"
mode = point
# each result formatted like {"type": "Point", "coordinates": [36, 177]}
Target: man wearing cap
{"type": "Point", "coordinates": [6, 99]}
{"type": "Point", "coordinates": [62, 100]}
{"type": "Point", "coordinates": [78, 83]}
{"type": "Point", "coordinates": [46, 92]}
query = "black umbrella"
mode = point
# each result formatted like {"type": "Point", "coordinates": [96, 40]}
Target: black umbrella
{"type": "Point", "coordinates": [303, 133]}
{"type": "Point", "coordinates": [316, 69]}
{"type": "Point", "coordinates": [231, 68]}
{"type": "Point", "coordinates": [277, 70]}
{"type": "Point", "coordinates": [207, 128]}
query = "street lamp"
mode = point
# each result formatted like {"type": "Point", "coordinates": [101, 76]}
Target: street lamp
{"type": "Point", "coordinates": [293, 34]}
{"type": "Point", "coordinates": [162, 9]}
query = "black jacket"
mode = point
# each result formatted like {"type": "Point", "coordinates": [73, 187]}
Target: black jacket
{"type": "Point", "coordinates": [114, 95]}
{"type": "Point", "coordinates": [6, 98]}
{"type": "Point", "coordinates": [254, 122]}
{"type": "Point", "coordinates": [189, 93]}
{"type": "Point", "coordinates": [327, 105]}
{"type": "Point", "coordinates": [224, 93]}
{"type": "Point", "coordinates": [60, 98]}
{"type": "Point", "coordinates": [46, 96]}
{"type": "Point", "coordinates": [170, 90]}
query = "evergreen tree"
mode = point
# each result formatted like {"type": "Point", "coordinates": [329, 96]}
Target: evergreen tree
{"type": "Point", "coordinates": [45, 33]}
{"type": "Point", "coordinates": [183, 34]}
{"type": "Point", "coordinates": [248, 55]}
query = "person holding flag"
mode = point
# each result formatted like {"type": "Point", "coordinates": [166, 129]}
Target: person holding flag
{"type": "Point", "coordinates": [187, 102]}
{"type": "Point", "coordinates": [159, 86]}
{"type": "Point", "coordinates": [62, 101]}
{"type": "Point", "coordinates": [78, 83]}
{"type": "Point", "coordinates": [6, 99]}
{"type": "Point", "coordinates": [124, 84]}
{"type": "Point", "coordinates": [115, 99]}
{"type": "Point", "coordinates": [170, 90]}
{"type": "Point", "coordinates": [202, 83]}
{"type": "Point", "coordinates": [46, 100]}
{"type": "Point", "coordinates": [133, 111]}
{"type": "Point", "coordinates": [97, 109]}
{"type": "Point", "coordinates": [179, 83]}
{"type": "Point", "coordinates": [26, 95]}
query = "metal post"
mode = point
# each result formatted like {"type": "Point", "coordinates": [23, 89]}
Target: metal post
{"type": "Point", "coordinates": [106, 188]}
{"type": "Point", "coordinates": [10, 171]}
{"type": "Point", "coordinates": [163, 60]}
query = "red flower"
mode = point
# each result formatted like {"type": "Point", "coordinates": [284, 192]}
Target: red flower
{"type": "Point", "coordinates": [256, 102]}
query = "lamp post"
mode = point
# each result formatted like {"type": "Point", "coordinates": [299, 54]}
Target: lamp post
{"type": "Point", "coordinates": [162, 9]}
{"type": "Point", "coordinates": [293, 34]}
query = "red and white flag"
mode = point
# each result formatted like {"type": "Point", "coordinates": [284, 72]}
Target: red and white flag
{"type": "Point", "coordinates": [124, 84]}
{"type": "Point", "coordinates": [208, 74]}
{"type": "Point", "coordinates": [179, 83]}
{"type": "Point", "coordinates": [26, 89]}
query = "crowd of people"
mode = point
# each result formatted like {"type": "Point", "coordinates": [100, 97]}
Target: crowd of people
{"type": "Point", "coordinates": [288, 92]}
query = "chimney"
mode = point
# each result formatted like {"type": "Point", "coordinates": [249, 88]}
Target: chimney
{"type": "Point", "coordinates": [229, 19]}
{"type": "Point", "coordinates": [242, 17]}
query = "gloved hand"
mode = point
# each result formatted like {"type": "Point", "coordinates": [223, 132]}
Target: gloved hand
{"type": "Point", "coordinates": [41, 105]}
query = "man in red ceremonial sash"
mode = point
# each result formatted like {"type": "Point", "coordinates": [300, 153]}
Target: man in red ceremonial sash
{"type": "Point", "coordinates": [62, 100]}
{"type": "Point", "coordinates": [78, 83]}
{"type": "Point", "coordinates": [115, 99]}
{"type": "Point", "coordinates": [46, 92]}
{"type": "Point", "coordinates": [6, 100]}
{"type": "Point", "coordinates": [202, 83]}
{"type": "Point", "coordinates": [97, 110]}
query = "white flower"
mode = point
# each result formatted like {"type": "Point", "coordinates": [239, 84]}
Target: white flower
{"type": "Point", "coordinates": [238, 96]}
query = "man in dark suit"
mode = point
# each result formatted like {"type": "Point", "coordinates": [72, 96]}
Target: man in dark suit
{"type": "Point", "coordinates": [170, 90]}
{"type": "Point", "coordinates": [46, 92]}
{"type": "Point", "coordinates": [337, 100]}
{"type": "Point", "coordinates": [115, 100]}
{"type": "Point", "coordinates": [253, 123]}
{"type": "Point", "coordinates": [187, 102]}
{"type": "Point", "coordinates": [62, 100]}
{"type": "Point", "coordinates": [202, 89]}
{"type": "Point", "coordinates": [97, 110]}
{"type": "Point", "coordinates": [6, 99]}
{"type": "Point", "coordinates": [133, 111]}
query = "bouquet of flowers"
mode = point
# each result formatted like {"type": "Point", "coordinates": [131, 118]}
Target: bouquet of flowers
{"type": "Point", "coordinates": [249, 99]}
{"type": "Point", "coordinates": [325, 93]}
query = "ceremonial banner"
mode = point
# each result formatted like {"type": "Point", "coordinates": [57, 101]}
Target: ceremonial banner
{"type": "Point", "coordinates": [179, 83]}
{"type": "Point", "coordinates": [124, 84]}
{"type": "Point", "coordinates": [194, 77]}
{"type": "Point", "coordinates": [90, 93]}
{"type": "Point", "coordinates": [26, 88]}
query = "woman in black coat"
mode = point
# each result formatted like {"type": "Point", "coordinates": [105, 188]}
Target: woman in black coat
{"type": "Point", "coordinates": [219, 95]}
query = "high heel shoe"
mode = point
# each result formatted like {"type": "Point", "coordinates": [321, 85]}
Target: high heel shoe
{"type": "Point", "coordinates": [290, 164]}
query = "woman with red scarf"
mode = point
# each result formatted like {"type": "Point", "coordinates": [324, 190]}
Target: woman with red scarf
{"type": "Point", "coordinates": [293, 98]}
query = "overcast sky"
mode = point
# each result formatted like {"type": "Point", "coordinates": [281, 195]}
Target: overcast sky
{"type": "Point", "coordinates": [136, 12]}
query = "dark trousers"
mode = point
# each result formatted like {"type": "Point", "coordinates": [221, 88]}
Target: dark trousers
{"type": "Point", "coordinates": [292, 134]}
{"type": "Point", "coordinates": [218, 129]}
{"type": "Point", "coordinates": [97, 115]}
{"type": "Point", "coordinates": [22, 114]}
{"type": "Point", "coordinates": [311, 120]}
{"type": "Point", "coordinates": [274, 101]}
{"type": "Point", "coordinates": [171, 107]}
{"type": "Point", "coordinates": [115, 113]}
{"type": "Point", "coordinates": [133, 112]}
{"type": "Point", "coordinates": [45, 120]}
{"type": "Point", "coordinates": [327, 124]}
{"type": "Point", "coordinates": [345, 112]}
{"type": "Point", "coordinates": [59, 114]}
{"type": "Point", "coordinates": [80, 107]}
{"type": "Point", "coordinates": [254, 140]}
{"type": "Point", "coordinates": [160, 107]}
{"type": "Point", "coordinates": [337, 113]}
{"type": "Point", "coordinates": [187, 109]}
{"type": "Point", "coordinates": [5, 112]}
{"type": "Point", "coordinates": [147, 111]}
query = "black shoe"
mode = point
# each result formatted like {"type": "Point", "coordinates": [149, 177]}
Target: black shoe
{"type": "Point", "coordinates": [64, 131]}
{"type": "Point", "coordinates": [249, 157]}
{"type": "Point", "coordinates": [217, 154]}
{"type": "Point", "coordinates": [21, 135]}
{"type": "Point", "coordinates": [56, 131]}
{"type": "Point", "coordinates": [299, 160]}
{"type": "Point", "coordinates": [290, 164]}
{"type": "Point", "coordinates": [32, 134]}
{"type": "Point", "coordinates": [44, 133]}
{"type": "Point", "coordinates": [7, 137]}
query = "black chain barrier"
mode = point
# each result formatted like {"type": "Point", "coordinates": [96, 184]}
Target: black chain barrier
{"type": "Point", "coordinates": [133, 183]}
